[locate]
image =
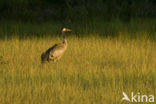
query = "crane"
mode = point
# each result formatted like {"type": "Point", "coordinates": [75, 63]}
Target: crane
{"type": "Point", "coordinates": [56, 51]}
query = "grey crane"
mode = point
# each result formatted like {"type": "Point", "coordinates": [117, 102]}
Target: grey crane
{"type": "Point", "coordinates": [56, 51]}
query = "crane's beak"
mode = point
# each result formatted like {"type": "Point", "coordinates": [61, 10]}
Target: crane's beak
{"type": "Point", "coordinates": [68, 30]}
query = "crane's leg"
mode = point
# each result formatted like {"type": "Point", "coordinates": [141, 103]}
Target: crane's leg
{"type": "Point", "coordinates": [55, 59]}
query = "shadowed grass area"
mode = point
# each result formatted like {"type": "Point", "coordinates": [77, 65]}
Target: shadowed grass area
{"type": "Point", "coordinates": [145, 28]}
{"type": "Point", "coordinates": [92, 70]}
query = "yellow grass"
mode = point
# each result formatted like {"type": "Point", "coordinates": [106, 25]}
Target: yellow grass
{"type": "Point", "coordinates": [93, 70]}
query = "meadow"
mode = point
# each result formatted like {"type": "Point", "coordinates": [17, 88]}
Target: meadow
{"type": "Point", "coordinates": [93, 70]}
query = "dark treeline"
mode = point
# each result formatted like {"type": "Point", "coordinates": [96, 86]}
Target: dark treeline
{"type": "Point", "coordinates": [76, 10]}
{"type": "Point", "coordinates": [97, 17]}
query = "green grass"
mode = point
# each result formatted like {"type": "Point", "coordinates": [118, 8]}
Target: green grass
{"type": "Point", "coordinates": [93, 70]}
{"type": "Point", "coordinates": [145, 28]}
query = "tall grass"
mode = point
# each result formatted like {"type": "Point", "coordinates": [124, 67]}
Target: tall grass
{"type": "Point", "coordinates": [93, 70]}
{"type": "Point", "coordinates": [136, 28]}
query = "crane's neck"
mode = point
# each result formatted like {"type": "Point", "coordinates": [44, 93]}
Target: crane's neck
{"type": "Point", "coordinates": [64, 39]}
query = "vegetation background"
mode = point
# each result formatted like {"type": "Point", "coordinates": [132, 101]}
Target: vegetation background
{"type": "Point", "coordinates": [104, 17]}
{"type": "Point", "coordinates": [112, 48]}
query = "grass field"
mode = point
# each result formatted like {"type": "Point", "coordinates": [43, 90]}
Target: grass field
{"type": "Point", "coordinates": [93, 70]}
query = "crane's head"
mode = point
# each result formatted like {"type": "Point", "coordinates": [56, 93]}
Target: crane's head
{"type": "Point", "coordinates": [66, 30]}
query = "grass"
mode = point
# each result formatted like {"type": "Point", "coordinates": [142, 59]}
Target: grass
{"type": "Point", "coordinates": [93, 70]}
{"type": "Point", "coordinates": [133, 29]}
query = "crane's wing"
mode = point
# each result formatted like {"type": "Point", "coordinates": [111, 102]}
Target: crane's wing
{"type": "Point", "coordinates": [56, 51]}
{"type": "Point", "coordinates": [51, 48]}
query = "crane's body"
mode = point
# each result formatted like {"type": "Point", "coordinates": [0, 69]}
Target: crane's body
{"type": "Point", "coordinates": [55, 52]}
